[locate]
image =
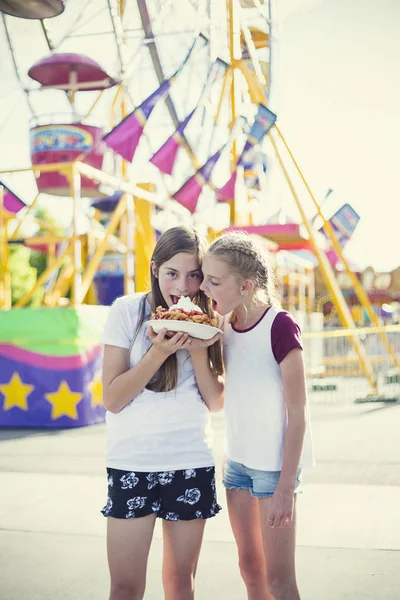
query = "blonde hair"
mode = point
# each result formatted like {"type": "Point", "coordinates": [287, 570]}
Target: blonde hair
{"type": "Point", "coordinates": [247, 259]}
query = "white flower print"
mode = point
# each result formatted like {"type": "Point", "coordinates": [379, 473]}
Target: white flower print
{"type": "Point", "coordinates": [171, 516]}
{"type": "Point", "coordinates": [190, 473]}
{"type": "Point", "coordinates": [213, 483]}
{"type": "Point", "coordinates": [129, 481]}
{"type": "Point", "coordinates": [209, 469]}
{"type": "Point", "coordinates": [190, 496]}
{"type": "Point", "coordinates": [108, 507]}
{"type": "Point", "coordinates": [137, 502]}
{"type": "Point", "coordinates": [110, 480]}
{"type": "Point", "coordinates": [155, 507]}
{"type": "Point", "coordinates": [130, 514]}
{"type": "Point", "coordinates": [166, 477]}
{"type": "Point", "coordinates": [214, 509]}
{"type": "Point", "coordinates": [199, 514]}
{"type": "Point", "coordinates": [152, 478]}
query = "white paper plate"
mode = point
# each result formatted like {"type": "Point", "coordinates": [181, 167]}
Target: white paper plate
{"type": "Point", "coordinates": [196, 330]}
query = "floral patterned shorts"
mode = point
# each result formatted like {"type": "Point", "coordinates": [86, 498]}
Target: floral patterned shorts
{"type": "Point", "coordinates": [172, 495]}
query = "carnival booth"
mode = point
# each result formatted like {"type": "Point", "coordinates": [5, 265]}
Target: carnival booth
{"type": "Point", "coordinates": [50, 365]}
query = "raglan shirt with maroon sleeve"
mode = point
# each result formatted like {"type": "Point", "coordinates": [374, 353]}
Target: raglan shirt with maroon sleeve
{"type": "Point", "coordinates": [285, 335]}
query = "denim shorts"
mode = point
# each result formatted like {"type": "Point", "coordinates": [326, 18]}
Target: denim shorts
{"type": "Point", "coordinates": [261, 484]}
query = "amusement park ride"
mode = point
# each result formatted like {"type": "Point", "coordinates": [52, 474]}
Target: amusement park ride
{"type": "Point", "coordinates": [134, 176]}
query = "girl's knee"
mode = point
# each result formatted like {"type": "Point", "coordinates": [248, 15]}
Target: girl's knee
{"type": "Point", "coordinates": [252, 569]}
{"type": "Point", "coordinates": [126, 590]}
{"type": "Point", "coordinates": [282, 584]}
{"type": "Point", "coordinates": [178, 580]}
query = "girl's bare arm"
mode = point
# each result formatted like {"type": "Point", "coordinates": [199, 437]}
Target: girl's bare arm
{"type": "Point", "coordinates": [281, 505]}
{"type": "Point", "coordinates": [121, 383]}
{"type": "Point", "coordinates": [211, 386]}
{"type": "Point", "coordinates": [294, 389]}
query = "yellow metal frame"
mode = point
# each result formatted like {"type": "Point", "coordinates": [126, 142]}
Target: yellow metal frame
{"type": "Point", "coordinates": [329, 276]}
{"type": "Point", "coordinates": [362, 296]}
{"type": "Point", "coordinates": [5, 279]}
{"type": "Point", "coordinates": [144, 241]}
{"type": "Point", "coordinates": [134, 206]}
{"type": "Point", "coordinates": [255, 85]}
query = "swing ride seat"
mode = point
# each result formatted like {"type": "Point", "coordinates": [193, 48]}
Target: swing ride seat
{"type": "Point", "coordinates": [32, 9]}
{"type": "Point", "coordinates": [71, 71]}
{"type": "Point", "coordinates": [64, 143]}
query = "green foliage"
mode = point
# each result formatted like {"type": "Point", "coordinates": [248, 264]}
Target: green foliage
{"type": "Point", "coordinates": [38, 260]}
{"type": "Point", "coordinates": [23, 275]}
{"type": "Point", "coordinates": [43, 214]}
{"type": "Point", "coordinates": [27, 265]}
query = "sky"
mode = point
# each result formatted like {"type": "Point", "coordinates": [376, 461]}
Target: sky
{"type": "Point", "coordinates": [336, 91]}
{"type": "Point", "coordinates": [337, 96]}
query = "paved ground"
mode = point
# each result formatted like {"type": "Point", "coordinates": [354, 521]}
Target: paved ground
{"type": "Point", "coordinates": [52, 537]}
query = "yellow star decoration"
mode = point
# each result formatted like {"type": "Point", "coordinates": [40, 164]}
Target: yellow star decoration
{"type": "Point", "coordinates": [16, 393]}
{"type": "Point", "coordinates": [96, 390]}
{"type": "Point", "coordinates": [64, 402]}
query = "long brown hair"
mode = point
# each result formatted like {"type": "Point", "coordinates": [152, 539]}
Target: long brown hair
{"type": "Point", "coordinates": [172, 242]}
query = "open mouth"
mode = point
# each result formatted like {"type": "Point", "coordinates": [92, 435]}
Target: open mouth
{"type": "Point", "coordinates": [175, 299]}
{"type": "Point", "coordinates": [213, 304]}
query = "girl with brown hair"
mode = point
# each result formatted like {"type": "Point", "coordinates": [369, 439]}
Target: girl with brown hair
{"type": "Point", "coordinates": [158, 391]}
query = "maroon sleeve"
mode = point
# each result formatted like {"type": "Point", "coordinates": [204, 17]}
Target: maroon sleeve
{"type": "Point", "coordinates": [285, 335]}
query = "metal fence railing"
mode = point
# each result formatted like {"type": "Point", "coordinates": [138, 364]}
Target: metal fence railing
{"type": "Point", "coordinates": [334, 370]}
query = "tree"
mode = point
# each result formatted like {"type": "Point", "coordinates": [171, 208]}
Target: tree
{"type": "Point", "coordinates": [27, 265]}
{"type": "Point", "coordinates": [38, 260]}
{"type": "Point", "coordinates": [23, 275]}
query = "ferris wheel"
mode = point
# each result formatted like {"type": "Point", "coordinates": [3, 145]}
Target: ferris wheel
{"type": "Point", "coordinates": [93, 63]}
{"type": "Point", "coordinates": [170, 98]}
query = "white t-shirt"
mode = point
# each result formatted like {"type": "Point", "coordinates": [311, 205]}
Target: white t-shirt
{"type": "Point", "coordinates": [156, 431]}
{"type": "Point", "coordinates": [255, 410]}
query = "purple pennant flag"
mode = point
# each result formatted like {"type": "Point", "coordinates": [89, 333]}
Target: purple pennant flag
{"type": "Point", "coordinates": [125, 137]}
{"type": "Point", "coordinates": [252, 180]}
{"type": "Point", "coordinates": [249, 157]}
{"type": "Point", "coordinates": [189, 193]}
{"type": "Point", "coordinates": [265, 119]}
{"type": "Point", "coordinates": [343, 223]}
{"type": "Point", "coordinates": [263, 122]}
{"type": "Point", "coordinates": [227, 192]}
{"type": "Point", "coordinates": [11, 202]}
{"type": "Point", "coordinates": [164, 158]}
{"type": "Point", "coordinates": [253, 162]}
